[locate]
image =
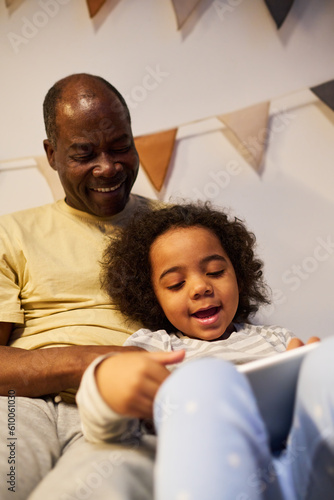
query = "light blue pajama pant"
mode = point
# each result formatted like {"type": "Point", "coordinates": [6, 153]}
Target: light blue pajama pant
{"type": "Point", "coordinates": [212, 443]}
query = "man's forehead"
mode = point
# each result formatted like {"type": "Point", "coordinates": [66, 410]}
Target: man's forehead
{"type": "Point", "coordinates": [82, 102]}
{"type": "Point", "coordinates": [86, 105]}
{"type": "Point", "coordinates": [69, 109]}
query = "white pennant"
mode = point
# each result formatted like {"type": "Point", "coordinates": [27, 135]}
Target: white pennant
{"type": "Point", "coordinates": [249, 127]}
{"type": "Point", "coordinates": [183, 9]}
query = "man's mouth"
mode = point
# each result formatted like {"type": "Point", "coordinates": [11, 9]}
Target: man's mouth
{"type": "Point", "coordinates": [108, 189]}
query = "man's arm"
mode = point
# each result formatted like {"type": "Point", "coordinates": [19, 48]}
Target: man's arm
{"type": "Point", "coordinates": [45, 371]}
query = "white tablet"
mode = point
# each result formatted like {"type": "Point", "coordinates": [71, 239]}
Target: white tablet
{"type": "Point", "coordinates": [274, 381]}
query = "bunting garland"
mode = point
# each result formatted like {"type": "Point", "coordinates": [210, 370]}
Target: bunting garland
{"type": "Point", "coordinates": [94, 6]}
{"type": "Point", "coordinates": [325, 92]}
{"type": "Point", "coordinates": [51, 177]}
{"type": "Point", "coordinates": [278, 9]}
{"type": "Point", "coordinates": [250, 130]}
{"type": "Point", "coordinates": [155, 151]}
{"type": "Point", "coordinates": [247, 129]}
{"type": "Point", "coordinates": [42, 164]}
{"type": "Point", "coordinates": [183, 9]}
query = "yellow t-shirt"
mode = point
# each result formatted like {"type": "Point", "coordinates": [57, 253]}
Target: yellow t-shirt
{"type": "Point", "coordinates": [49, 277]}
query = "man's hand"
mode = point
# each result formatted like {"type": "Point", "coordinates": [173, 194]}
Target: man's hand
{"type": "Point", "coordinates": [295, 342]}
{"type": "Point", "coordinates": [129, 382]}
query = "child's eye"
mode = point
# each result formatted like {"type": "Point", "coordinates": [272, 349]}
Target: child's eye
{"type": "Point", "coordinates": [216, 273]}
{"type": "Point", "coordinates": [177, 286]}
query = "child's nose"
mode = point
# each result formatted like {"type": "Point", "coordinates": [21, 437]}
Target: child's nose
{"type": "Point", "coordinates": [201, 287]}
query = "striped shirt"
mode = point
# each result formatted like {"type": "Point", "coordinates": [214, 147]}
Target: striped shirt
{"type": "Point", "coordinates": [247, 343]}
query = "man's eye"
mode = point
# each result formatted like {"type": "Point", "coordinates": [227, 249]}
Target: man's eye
{"type": "Point", "coordinates": [83, 155]}
{"type": "Point", "coordinates": [81, 159]}
{"type": "Point", "coordinates": [124, 149]}
{"type": "Point", "coordinates": [177, 286]}
{"type": "Point", "coordinates": [84, 150]}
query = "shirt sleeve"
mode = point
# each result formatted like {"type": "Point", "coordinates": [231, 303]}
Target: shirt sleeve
{"type": "Point", "coordinates": [99, 422]}
{"type": "Point", "coordinates": [156, 341]}
{"type": "Point", "coordinates": [285, 336]}
{"type": "Point", "coordinates": [11, 268]}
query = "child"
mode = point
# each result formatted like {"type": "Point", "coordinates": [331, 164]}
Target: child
{"type": "Point", "coordinates": [190, 276]}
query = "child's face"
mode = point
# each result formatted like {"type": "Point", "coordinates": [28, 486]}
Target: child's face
{"type": "Point", "coordinates": [194, 282]}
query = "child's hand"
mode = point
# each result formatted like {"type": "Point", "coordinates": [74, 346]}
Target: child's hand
{"type": "Point", "coordinates": [295, 342]}
{"type": "Point", "coordinates": [128, 382]}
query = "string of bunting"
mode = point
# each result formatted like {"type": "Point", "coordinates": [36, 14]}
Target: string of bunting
{"type": "Point", "coordinates": [183, 9]}
{"type": "Point", "coordinates": [247, 130]}
{"type": "Point", "coordinates": [279, 9]}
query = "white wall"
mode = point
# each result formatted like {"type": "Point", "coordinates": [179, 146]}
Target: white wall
{"type": "Point", "coordinates": [228, 56]}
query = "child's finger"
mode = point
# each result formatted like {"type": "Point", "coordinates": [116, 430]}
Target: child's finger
{"type": "Point", "coordinates": [311, 340]}
{"type": "Point", "coordinates": [168, 358]}
{"type": "Point", "coordinates": [294, 343]}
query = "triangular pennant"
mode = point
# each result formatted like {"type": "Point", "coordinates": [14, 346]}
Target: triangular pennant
{"type": "Point", "coordinates": [183, 9]}
{"type": "Point", "coordinates": [51, 177]}
{"type": "Point", "coordinates": [94, 6]}
{"type": "Point", "coordinates": [12, 5]}
{"type": "Point", "coordinates": [325, 92]}
{"type": "Point", "coordinates": [155, 151]}
{"type": "Point", "coordinates": [249, 127]}
{"type": "Point", "coordinates": [279, 9]}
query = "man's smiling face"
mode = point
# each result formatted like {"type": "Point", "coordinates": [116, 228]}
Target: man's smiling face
{"type": "Point", "coordinates": [95, 155]}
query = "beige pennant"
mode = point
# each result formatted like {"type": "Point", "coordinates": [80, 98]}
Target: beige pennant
{"type": "Point", "coordinates": [183, 9]}
{"type": "Point", "coordinates": [51, 177]}
{"type": "Point", "coordinates": [155, 151]}
{"type": "Point", "coordinates": [248, 132]}
{"type": "Point", "coordinates": [94, 6]}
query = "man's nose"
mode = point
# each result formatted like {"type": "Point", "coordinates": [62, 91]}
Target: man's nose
{"type": "Point", "coordinates": [106, 166]}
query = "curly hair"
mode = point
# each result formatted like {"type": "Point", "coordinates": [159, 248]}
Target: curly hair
{"type": "Point", "coordinates": [126, 267]}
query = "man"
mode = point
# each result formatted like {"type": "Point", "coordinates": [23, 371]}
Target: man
{"type": "Point", "coordinates": [54, 319]}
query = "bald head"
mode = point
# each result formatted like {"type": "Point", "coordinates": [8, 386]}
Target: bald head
{"type": "Point", "coordinates": [79, 89]}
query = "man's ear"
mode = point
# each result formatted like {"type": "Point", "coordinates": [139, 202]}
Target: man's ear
{"type": "Point", "coordinates": [50, 153]}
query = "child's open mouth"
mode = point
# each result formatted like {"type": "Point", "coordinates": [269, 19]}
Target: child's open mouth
{"type": "Point", "coordinates": [207, 316]}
